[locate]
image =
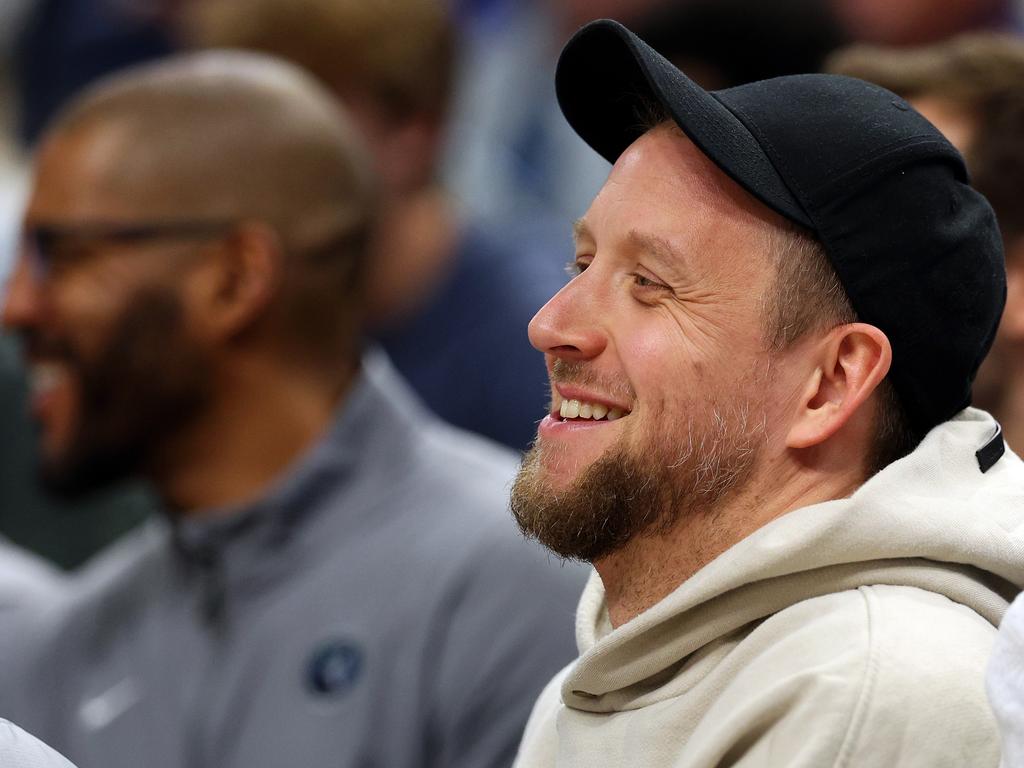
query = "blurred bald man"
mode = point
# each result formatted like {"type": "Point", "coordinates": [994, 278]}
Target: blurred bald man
{"type": "Point", "coordinates": [332, 580]}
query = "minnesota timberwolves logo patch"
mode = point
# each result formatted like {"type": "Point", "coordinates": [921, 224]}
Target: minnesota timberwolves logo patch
{"type": "Point", "coordinates": [334, 668]}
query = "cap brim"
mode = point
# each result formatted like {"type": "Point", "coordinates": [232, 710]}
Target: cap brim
{"type": "Point", "coordinates": [606, 75]}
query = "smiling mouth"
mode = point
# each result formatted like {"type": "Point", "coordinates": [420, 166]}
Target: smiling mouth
{"type": "Point", "coordinates": [45, 377]}
{"type": "Point", "coordinates": [581, 410]}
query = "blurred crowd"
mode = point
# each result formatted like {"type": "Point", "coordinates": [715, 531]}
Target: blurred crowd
{"type": "Point", "coordinates": [468, 181]}
{"type": "Point", "coordinates": [484, 177]}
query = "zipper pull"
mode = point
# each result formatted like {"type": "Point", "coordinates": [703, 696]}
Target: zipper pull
{"type": "Point", "coordinates": [212, 587]}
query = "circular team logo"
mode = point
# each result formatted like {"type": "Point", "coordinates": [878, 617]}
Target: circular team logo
{"type": "Point", "coordinates": [334, 668]}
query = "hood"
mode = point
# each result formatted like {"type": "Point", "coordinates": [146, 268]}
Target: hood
{"type": "Point", "coordinates": [932, 520]}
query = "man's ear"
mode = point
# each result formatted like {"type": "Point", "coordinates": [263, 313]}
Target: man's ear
{"type": "Point", "coordinates": [238, 279]}
{"type": "Point", "coordinates": [1012, 325]}
{"type": "Point", "coordinates": [850, 363]}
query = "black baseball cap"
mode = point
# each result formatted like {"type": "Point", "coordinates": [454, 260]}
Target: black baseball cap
{"type": "Point", "coordinates": [916, 248]}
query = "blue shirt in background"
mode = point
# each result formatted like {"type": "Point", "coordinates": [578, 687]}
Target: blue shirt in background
{"type": "Point", "coordinates": [466, 351]}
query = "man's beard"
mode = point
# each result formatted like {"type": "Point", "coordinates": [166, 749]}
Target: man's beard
{"type": "Point", "coordinates": [641, 489]}
{"type": "Point", "coordinates": [148, 382]}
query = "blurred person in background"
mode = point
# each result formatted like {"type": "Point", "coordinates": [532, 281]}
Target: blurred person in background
{"type": "Point", "coordinates": [28, 585]}
{"type": "Point", "coordinates": [920, 22]}
{"type": "Point", "coordinates": [13, 165]}
{"type": "Point", "coordinates": [972, 89]}
{"type": "Point", "coordinates": [448, 297]}
{"type": "Point", "coordinates": [26, 582]}
{"type": "Point", "coordinates": [336, 580]}
{"type": "Point", "coordinates": [722, 43]}
{"type": "Point", "coordinates": [48, 50]}
{"type": "Point", "coordinates": [66, 44]}
{"type": "Point", "coordinates": [510, 154]}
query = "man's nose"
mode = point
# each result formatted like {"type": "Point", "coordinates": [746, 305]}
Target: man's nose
{"type": "Point", "coordinates": [569, 326]}
{"type": "Point", "coordinates": [23, 301]}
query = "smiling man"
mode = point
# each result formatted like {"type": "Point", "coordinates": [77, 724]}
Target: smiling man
{"type": "Point", "coordinates": [333, 575]}
{"type": "Point", "coordinates": [760, 433]}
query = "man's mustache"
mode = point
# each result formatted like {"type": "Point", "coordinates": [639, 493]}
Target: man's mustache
{"type": "Point", "coordinates": [39, 344]}
{"type": "Point", "coordinates": [581, 374]}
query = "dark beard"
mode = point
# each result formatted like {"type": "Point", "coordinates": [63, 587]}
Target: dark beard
{"type": "Point", "coordinates": [148, 382]}
{"type": "Point", "coordinates": [629, 493]}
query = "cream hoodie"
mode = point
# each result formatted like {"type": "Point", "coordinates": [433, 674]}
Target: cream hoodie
{"type": "Point", "coordinates": [849, 633]}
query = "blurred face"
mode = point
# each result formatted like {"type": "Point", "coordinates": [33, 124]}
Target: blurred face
{"type": "Point", "coordinates": [661, 382]}
{"type": "Point", "coordinates": [954, 121]}
{"type": "Point", "coordinates": [113, 370]}
{"type": "Point", "coordinates": [912, 22]}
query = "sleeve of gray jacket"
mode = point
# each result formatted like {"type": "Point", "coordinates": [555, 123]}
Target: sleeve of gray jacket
{"type": "Point", "coordinates": [22, 750]}
{"type": "Point", "coordinates": [510, 631]}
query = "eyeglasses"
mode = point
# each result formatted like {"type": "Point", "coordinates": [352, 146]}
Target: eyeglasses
{"type": "Point", "coordinates": [47, 245]}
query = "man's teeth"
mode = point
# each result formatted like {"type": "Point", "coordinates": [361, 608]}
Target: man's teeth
{"type": "Point", "coordinates": [574, 409]}
{"type": "Point", "coordinates": [44, 377]}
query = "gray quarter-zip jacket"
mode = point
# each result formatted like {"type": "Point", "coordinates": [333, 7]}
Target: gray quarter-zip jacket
{"type": "Point", "coordinates": [26, 580]}
{"type": "Point", "coordinates": [377, 608]}
{"type": "Point", "coordinates": [29, 585]}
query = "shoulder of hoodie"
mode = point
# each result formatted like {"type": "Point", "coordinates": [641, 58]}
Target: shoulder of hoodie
{"type": "Point", "coordinates": [539, 745]}
{"type": "Point", "coordinates": [880, 675]}
{"type": "Point", "coordinates": [888, 675]}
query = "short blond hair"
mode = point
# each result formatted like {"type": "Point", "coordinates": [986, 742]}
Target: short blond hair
{"type": "Point", "coordinates": [982, 73]}
{"type": "Point", "coordinates": [966, 69]}
{"type": "Point", "coordinates": [807, 296]}
{"type": "Point", "coordinates": [400, 53]}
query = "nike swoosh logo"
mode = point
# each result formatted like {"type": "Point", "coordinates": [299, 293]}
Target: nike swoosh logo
{"type": "Point", "coordinates": [100, 711]}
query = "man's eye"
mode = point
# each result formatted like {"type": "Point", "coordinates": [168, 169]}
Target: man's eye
{"type": "Point", "coordinates": [645, 282]}
{"type": "Point", "coordinates": [58, 258]}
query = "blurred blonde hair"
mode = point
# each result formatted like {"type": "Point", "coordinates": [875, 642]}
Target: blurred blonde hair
{"type": "Point", "coordinates": [399, 53]}
{"type": "Point", "coordinates": [982, 74]}
{"type": "Point", "coordinates": [964, 69]}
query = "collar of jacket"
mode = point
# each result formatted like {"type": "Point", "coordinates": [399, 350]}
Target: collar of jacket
{"type": "Point", "coordinates": [240, 546]}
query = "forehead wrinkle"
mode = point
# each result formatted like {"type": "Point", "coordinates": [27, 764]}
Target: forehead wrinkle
{"type": "Point", "coordinates": [639, 241]}
{"type": "Point", "coordinates": [649, 243]}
